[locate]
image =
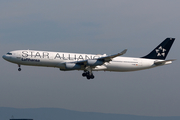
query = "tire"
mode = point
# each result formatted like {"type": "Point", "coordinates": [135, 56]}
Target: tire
{"type": "Point", "coordinates": [92, 76]}
{"type": "Point", "coordinates": [84, 74]}
{"type": "Point", "coordinates": [19, 69]}
{"type": "Point", "coordinates": [88, 77]}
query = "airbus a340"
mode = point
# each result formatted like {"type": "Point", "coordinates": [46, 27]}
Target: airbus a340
{"type": "Point", "coordinates": [89, 62]}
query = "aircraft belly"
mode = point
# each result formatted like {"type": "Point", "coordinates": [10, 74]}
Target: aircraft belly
{"type": "Point", "coordinates": [123, 66]}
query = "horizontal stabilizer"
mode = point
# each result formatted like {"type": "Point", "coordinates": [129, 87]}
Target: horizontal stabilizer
{"type": "Point", "coordinates": [165, 62]}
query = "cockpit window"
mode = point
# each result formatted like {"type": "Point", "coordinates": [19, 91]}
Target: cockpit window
{"type": "Point", "coordinates": [9, 53]}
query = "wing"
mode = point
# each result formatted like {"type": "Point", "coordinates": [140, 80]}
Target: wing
{"type": "Point", "coordinates": [101, 60]}
{"type": "Point", "coordinates": [110, 57]}
{"type": "Point", "coordinates": [92, 63]}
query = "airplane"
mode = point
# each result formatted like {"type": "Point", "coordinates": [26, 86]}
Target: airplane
{"type": "Point", "coordinates": [90, 62]}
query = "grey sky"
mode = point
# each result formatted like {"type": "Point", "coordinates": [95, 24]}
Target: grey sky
{"type": "Point", "coordinates": [96, 26]}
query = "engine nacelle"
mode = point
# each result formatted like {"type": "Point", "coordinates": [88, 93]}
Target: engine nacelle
{"type": "Point", "coordinates": [94, 62]}
{"type": "Point", "coordinates": [72, 66]}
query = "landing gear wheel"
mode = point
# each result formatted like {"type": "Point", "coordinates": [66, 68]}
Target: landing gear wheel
{"type": "Point", "coordinates": [84, 74]}
{"type": "Point", "coordinates": [88, 73]}
{"type": "Point", "coordinates": [19, 69]}
{"type": "Point", "coordinates": [88, 77]}
{"type": "Point", "coordinates": [92, 76]}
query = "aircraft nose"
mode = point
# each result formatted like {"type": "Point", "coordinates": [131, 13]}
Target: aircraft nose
{"type": "Point", "coordinates": [4, 56]}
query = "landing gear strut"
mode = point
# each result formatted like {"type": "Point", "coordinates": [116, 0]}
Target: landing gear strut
{"type": "Point", "coordinates": [19, 69]}
{"type": "Point", "coordinates": [88, 73]}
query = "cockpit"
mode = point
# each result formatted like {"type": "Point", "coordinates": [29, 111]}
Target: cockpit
{"type": "Point", "coordinates": [9, 53]}
{"type": "Point", "coordinates": [8, 56]}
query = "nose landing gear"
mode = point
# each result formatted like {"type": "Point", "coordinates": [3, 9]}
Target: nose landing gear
{"type": "Point", "coordinates": [19, 69]}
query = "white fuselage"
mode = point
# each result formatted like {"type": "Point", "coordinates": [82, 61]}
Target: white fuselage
{"type": "Point", "coordinates": [57, 59]}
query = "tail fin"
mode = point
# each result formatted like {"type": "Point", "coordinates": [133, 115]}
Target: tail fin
{"type": "Point", "coordinates": [161, 51]}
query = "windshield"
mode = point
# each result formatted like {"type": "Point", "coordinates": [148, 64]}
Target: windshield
{"type": "Point", "coordinates": [9, 53]}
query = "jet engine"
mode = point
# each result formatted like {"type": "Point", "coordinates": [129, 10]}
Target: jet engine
{"type": "Point", "coordinates": [94, 62]}
{"type": "Point", "coordinates": [72, 66]}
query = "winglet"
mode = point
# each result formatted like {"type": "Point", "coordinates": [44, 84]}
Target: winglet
{"type": "Point", "coordinates": [118, 54]}
{"type": "Point", "coordinates": [110, 57]}
{"type": "Point", "coordinates": [123, 52]}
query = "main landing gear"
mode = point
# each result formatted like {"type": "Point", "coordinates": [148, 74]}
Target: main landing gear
{"type": "Point", "coordinates": [88, 75]}
{"type": "Point", "coordinates": [19, 69]}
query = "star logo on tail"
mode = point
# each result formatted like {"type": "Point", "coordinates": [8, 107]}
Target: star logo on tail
{"type": "Point", "coordinates": [160, 51]}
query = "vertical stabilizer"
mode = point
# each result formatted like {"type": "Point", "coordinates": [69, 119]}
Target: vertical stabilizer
{"type": "Point", "coordinates": [162, 50]}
